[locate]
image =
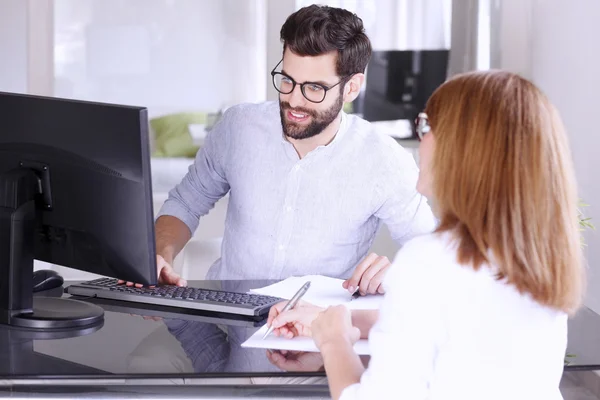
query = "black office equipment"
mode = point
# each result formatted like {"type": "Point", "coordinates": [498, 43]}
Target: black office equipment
{"type": "Point", "coordinates": [18, 353]}
{"type": "Point", "coordinates": [398, 83]}
{"type": "Point", "coordinates": [222, 301]}
{"type": "Point", "coordinates": [46, 279]}
{"type": "Point", "coordinates": [75, 191]}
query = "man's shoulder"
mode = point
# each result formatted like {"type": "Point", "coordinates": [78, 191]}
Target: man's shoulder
{"type": "Point", "coordinates": [367, 137]}
{"type": "Point", "coordinates": [252, 111]}
{"type": "Point", "coordinates": [252, 121]}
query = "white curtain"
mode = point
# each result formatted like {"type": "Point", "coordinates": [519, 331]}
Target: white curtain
{"type": "Point", "coordinates": [423, 24]}
{"type": "Point", "coordinates": [401, 24]}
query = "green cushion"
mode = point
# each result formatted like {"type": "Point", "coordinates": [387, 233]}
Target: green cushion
{"type": "Point", "coordinates": [172, 136]}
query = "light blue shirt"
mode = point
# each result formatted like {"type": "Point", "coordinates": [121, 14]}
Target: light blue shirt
{"type": "Point", "coordinates": [289, 216]}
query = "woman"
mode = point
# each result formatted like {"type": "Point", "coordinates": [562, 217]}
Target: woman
{"type": "Point", "coordinates": [478, 309]}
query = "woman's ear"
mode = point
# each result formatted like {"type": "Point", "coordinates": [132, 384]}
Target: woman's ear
{"type": "Point", "coordinates": [352, 87]}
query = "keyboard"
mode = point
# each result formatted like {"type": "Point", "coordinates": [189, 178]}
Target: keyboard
{"type": "Point", "coordinates": [175, 296]}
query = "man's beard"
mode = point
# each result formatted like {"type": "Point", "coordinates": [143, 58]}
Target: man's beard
{"type": "Point", "coordinates": [319, 120]}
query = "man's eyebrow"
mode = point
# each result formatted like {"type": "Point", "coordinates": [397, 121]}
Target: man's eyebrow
{"type": "Point", "coordinates": [318, 82]}
{"type": "Point", "coordinates": [322, 83]}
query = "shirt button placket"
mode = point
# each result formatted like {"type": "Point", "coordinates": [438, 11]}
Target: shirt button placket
{"type": "Point", "coordinates": [287, 220]}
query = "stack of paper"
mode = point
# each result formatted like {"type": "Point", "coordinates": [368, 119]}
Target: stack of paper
{"type": "Point", "coordinates": [323, 292]}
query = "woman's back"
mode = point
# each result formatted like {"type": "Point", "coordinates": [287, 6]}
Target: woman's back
{"type": "Point", "coordinates": [494, 333]}
{"type": "Point", "coordinates": [468, 335]}
{"type": "Point", "coordinates": [478, 309]}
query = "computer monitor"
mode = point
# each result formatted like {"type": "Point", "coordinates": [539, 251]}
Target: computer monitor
{"type": "Point", "coordinates": [399, 82]}
{"type": "Point", "coordinates": [75, 190]}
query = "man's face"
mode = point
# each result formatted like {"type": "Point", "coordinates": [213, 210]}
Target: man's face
{"type": "Point", "coordinates": [300, 118]}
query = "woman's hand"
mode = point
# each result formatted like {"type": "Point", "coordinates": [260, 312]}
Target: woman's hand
{"type": "Point", "coordinates": [335, 336]}
{"type": "Point", "coordinates": [334, 326]}
{"type": "Point", "coordinates": [294, 361]}
{"type": "Point", "coordinates": [295, 322]}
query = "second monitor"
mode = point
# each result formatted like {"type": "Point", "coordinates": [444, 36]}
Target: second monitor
{"type": "Point", "coordinates": [399, 82]}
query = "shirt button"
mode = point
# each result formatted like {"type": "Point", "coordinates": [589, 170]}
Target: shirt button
{"type": "Point", "coordinates": [281, 247]}
{"type": "Point", "coordinates": [288, 209]}
{"type": "Point", "coordinates": [296, 167]}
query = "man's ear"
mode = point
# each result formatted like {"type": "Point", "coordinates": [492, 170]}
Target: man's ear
{"type": "Point", "coordinates": [352, 87]}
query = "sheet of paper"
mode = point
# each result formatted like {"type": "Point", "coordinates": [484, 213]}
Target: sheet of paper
{"type": "Point", "coordinates": [296, 344]}
{"type": "Point", "coordinates": [324, 291]}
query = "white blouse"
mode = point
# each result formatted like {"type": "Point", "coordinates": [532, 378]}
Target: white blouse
{"type": "Point", "coordinates": [446, 331]}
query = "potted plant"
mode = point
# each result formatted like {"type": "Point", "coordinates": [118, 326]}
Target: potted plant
{"type": "Point", "coordinates": [584, 223]}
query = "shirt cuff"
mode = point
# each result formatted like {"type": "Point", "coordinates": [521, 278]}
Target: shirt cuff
{"type": "Point", "coordinates": [172, 208]}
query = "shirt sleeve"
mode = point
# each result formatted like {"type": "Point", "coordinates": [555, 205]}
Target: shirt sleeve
{"type": "Point", "coordinates": [406, 338]}
{"type": "Point", "coordinates": [206, 180]}
{"type": "Point", "coordinates": [404, 210]}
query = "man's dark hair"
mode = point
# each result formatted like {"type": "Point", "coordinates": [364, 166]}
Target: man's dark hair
{"type": "Point", "coordinates": [316, 30]}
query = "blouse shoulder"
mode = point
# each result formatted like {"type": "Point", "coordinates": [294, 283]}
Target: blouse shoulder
{"type": "Point", "coordinates": [426, 258]}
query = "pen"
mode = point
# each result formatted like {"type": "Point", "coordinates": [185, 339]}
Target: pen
{"type": "Point", "coordinates": [291, 304]}
{"type": "Point", "coordinates": [355, 295]}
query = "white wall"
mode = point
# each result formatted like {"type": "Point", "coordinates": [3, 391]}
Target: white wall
{"type": "Point", "coordinates": [565, 62]}
{"type": "Point", "coordinates": [465, 38]}
{"type": "Point", "coordinates": [168, 56]}
{"type": "Point", "coordinates": [555, 43]}
{"type": "Point", "coordinates": [277, 13]}
{"type": "Point", "coordinates": [13, 46]}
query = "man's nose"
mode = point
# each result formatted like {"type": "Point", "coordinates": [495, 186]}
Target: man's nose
{"type": "Point", "coordinates": [296, 98]}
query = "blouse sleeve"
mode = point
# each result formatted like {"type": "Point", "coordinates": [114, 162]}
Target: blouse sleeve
{"type": "Point", "coordinates": [405, 340]}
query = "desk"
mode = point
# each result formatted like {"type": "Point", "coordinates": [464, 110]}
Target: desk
{"type": "Point", "coordinates": [148, 352]}
{"type": "Point", "coordinates": [143, 352]}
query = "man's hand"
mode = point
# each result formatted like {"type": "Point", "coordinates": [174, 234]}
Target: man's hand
{"type": "Point", "coordinates": [295, 322]}
{"type": "Point", "coordinates": [166, 275]}
{"type": "Point", "coordinates": [368, 275]}
{"type": "Point", "coordinates": [147, 317]}
{"type": "Point", "coordinates": [294, 361]}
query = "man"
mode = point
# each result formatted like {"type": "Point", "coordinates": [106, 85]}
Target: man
{"type": "Point", "coordinates": [308, 185]}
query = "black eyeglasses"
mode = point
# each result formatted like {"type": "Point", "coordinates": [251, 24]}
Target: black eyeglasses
{"type": "Point", "coordinates": [313, 92]}
{"type": "Point", "coordinates": [422, 125]}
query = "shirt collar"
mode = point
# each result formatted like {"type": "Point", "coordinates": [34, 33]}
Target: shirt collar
{"type": "Point", "coordinates": [341, 130]}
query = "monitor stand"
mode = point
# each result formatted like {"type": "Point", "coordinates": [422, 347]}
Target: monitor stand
{"type": "Point", "coordinates": [18, 355]}
{"type": "Point", "coordinates": [24, 191]}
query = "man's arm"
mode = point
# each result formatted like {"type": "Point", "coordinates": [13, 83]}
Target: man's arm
{"type": "Point", "coordinates": [203, 185]}
{"type": "Point", "coordinates": [172, 234]}
{"type": "Point", "coordinates": [405, 211]}
{"type": "Point", "coordinates": [206, 180]}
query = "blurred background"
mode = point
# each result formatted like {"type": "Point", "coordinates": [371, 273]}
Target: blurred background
{"type": "Point", "coordinates": [188, 60]}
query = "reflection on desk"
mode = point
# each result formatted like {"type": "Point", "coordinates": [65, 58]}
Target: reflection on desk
{"type": "Point", "coordinates": [142, 340]}
{"type": "Point", "coordinates": [154, 346]}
